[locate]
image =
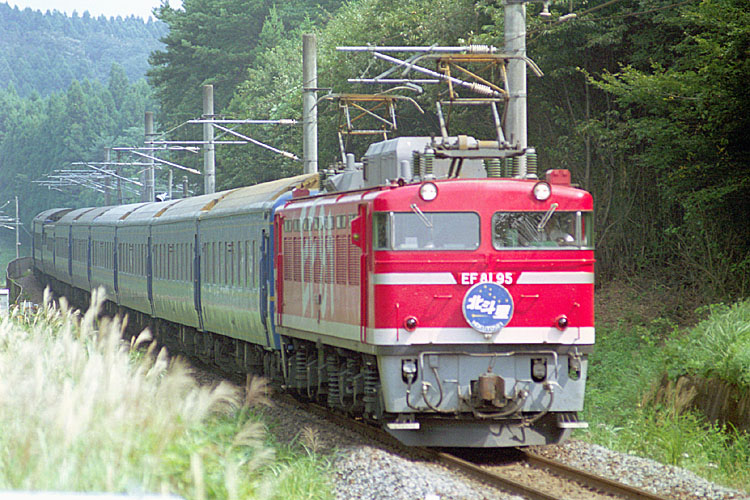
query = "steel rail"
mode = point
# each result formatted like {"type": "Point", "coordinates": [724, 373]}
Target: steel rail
{"type": "Point", "coordinates": [595, 481]}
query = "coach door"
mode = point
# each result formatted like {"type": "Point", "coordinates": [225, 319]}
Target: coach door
{"type": "Point", "coordinates": [149, 273]}
{"type": "Point", "coordinates": [264, 281]}
{"type": "Point", "coordinates": [70, 250]}
{"type": "Point", "coordinates": [197, 278]}
{"type": "Point", "coordinates": [116, 268]}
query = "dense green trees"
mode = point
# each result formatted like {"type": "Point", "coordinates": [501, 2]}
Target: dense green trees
{"type": "Point", "coordinates": [65, 94]}
{"type": "Point", "coordinates": [215, 42]}
{"type": "Point", "coordinates": [45, 52]}
{"type": "Point", "coordinates": [684, 119]}
{"type": "Point", "coordinates": [39, 135]}
{"type": "Point", "coordinates": [648, 98]}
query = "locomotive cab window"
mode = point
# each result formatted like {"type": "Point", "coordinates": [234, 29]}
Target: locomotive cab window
{"type": "Point", "coordinates": [417, 230]}
{"type": "Point", "coordinates": [542, 230]}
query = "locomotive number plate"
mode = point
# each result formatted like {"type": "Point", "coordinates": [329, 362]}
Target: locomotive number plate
{"type": "Point", "coordinates": [501, 278]}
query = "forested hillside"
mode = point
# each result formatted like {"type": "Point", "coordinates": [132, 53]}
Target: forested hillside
{"type": "Point", "coordinates": [69, 86]}
{"type": "Point", "coordinates": [41, 134]}
{"type": "Point", "coordinates": [45, 52]}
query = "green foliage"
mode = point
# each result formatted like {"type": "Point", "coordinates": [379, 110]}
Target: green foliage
{"type": "Point", "coordinates": [718, 347]}
{"type": "Point", "coordinates": [644, 101]}
{"type": "Point", "coordinates": [251, 66]}
{"type": "Point", "coordinates": [45, 52]}
{"type": "Point", "coordinates": [272, 88]}
{"type": "Point", "coordinates": [683, 119]}
{"type": "Point", "coordinates": [272, 91]}
{"type": "Point", "coordinates": [7, 251]}
{"type": "Point", "coordinates": [215, 42]}
{"type": "Point", "coordinates": [625, 361]}
{"type": "Point", "coordinates": [628, 363]}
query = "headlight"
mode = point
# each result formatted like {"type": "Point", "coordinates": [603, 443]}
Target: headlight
{"type": "Point", "coordinates": [542, 191]}
{"type": "Point", "coordinates": [428, 191]}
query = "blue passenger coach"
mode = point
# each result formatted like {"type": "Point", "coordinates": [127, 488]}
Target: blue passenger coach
{"type": "Point", "coordinates": [205, 263]}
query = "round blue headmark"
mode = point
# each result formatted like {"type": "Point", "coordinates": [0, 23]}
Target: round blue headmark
{"type": "Point", "coordinates": [487, 307]}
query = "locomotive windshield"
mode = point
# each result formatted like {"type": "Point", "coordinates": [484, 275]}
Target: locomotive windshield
{"type": "Point", "coordinates": [542, 230]}
{"type": "Point", "coordinates": [419, 230]}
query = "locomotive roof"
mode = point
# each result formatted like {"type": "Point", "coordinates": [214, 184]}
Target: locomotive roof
{"type": "Point", "coordinates": [462, 194]}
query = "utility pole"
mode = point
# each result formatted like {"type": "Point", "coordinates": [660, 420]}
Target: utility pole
{"type": "Point", "coordinates": [18, 223]}
{"type": "Point", "coordinates": [118, 171]}
{"type": "Point", "coordinates": [148, 185]}
{"type": "Point", "coordinates": [209, 153]}
{"type": "Point", "coordinates": [309, 103]}
{"type": "Point", "coordinates": [107, 186]}
{"type": "Point", "coordinates": [515, 45]}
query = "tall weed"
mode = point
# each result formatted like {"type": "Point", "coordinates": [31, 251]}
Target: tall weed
{"type": "Point", "coordinates": [80, 412]}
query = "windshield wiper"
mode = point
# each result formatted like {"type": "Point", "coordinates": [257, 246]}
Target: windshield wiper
{"type": "Point", "coordinates": [421, 215]}
{"type": "Point", "coordinates": [547, 217]}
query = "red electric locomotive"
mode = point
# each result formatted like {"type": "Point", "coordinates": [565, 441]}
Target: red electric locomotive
{"type": "Point", "coordinates": [467, 303]}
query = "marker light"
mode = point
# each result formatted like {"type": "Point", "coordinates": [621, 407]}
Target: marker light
{"type": "Point", "coordinates": [410, 324]}
{"type": "Point", "coordinates": [428, 191]}
{"type": "Point", "coordinates": [542, 191]}
{"type": "Point", "coordinates": [561, 322]}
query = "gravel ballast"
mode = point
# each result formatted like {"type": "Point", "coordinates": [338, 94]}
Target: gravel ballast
{"type": "Point", "coordinates": [364, 470]}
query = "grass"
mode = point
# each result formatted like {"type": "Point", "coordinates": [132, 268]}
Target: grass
{"type": "Point", "coordinates": [632, 354]}
{"type": "Point", "coordinates": [717, 347]}
{"type": "Point", "coordinates": [82, 411]}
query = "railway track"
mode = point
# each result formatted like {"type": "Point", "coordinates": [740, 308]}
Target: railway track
{"type": "Point", "coordinates": [561, 480]}
{"type": "Point", "coordinates": [541, 479]}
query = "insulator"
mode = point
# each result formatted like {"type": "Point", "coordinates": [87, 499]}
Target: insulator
{"type": "Point", "coordinates": [415, 165]}
{"type": "Point", "coordinates": [508, 167]}
{"type": "Point", "coordinates": [531, 163]}
{"type": "Point", "coordinates": [494, 168]}
{"type": "Point", "coordinates": [482, 89]}
{"type": "Point", "coordinates": [428, 161]}
{"type": "Point", "coordinates": [516, 166]}
{"type": "Point", "coordinates": [480, 49]}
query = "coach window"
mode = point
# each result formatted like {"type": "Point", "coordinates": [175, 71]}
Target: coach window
{"type": "Point", "coordinates": [417, 230]}
{"type": "Point", "coordinates": [542, 230]}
